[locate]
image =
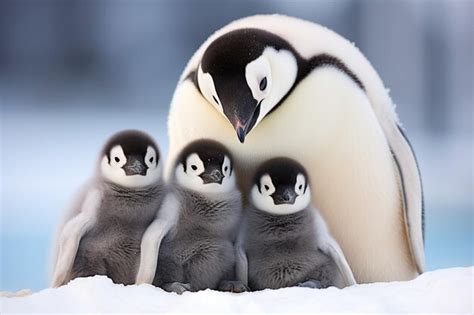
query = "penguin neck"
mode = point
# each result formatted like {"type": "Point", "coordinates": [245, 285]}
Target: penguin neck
{"type": "Point", "coordinates": [276, 226]}
{"type": "Point", "coordinates": [204, 212]}
{"type": "Point", "coordinates": [135, 194]}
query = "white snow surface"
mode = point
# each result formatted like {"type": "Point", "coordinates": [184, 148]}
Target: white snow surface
{"type": "Point", "coordinates": [445, 290]}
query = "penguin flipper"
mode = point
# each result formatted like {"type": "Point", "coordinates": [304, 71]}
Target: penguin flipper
{"type": "Point", "coordinates": [72, 233]}
{"type": "Point", "coordinates": [412, 193]}
{"type": "Point", "coordinates": [328, 245]}
{"type": "Point", "coordinates": [166, 217]}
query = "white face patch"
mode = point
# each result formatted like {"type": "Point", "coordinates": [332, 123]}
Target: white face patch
{"type": "Point", "coordinates": [208, 89]}
{"type": "Point", "coordinates": [150, 157]}
{"type": "Point", "coordinates": [300, 184]}
{"type": "Point", "coordinates": [279, 69]}
{"type": "Point", "coordinates": [263, 200]}
{"type": "Point", "coordinates": [259, 77]}
{"type": "Point", "coordinates": [117, 157]}
{"type": "Point", "coordinates": [114, 172]}
{"type": "Point", "coordinates": [195, 167]}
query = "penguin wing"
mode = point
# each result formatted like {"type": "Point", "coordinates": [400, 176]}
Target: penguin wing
{"type": "Point", "coordinates": [166, 217]}
{"type": "Point", "coordinates": [328, 245]}
{"type": "Point", "coordinates": [73, 209]}
{"type": "Point", "coordinates": [241, 263]}
{"type": "Point", "coordinates": [72, 233]}
{"type": "Point", "coordinates": [412, 193]}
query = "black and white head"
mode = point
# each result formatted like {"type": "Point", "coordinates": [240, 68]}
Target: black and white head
{"type": "Point", "coordinates": [131, 158]}
{"type": "Point", "coordinates": [280, 187]}
{"type": "Point", "coordinates": [205, 166]}
{"type": "Point", "coordinates": [245, 73]}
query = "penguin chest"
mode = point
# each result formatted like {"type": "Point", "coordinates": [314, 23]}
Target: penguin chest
{"type": "Point", "coordinates": [201, 234]}
{"type": "Point", "coordinates": [113, 241]}
{"type": "Point", "coordinates": [276, 264]}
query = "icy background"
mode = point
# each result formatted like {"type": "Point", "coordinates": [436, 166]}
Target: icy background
{"type": "Point", "coordinates": [72, 73]}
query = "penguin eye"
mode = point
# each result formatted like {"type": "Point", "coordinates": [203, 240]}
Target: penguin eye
{"type": "Point", "coordinates": [266, 187]}
{"type": "Point", "coordinates": [117, 159]}
{"type": "Point", "coordinates": [215, 100]}
{"type": "Point", "coordinates": [194, 167]}
{"type": "Point", "coordinates": [300, 187]}
{"type": "Point", "coordinates": [263, 84]}
{"type": "Point", "coordinates": [151, 160]}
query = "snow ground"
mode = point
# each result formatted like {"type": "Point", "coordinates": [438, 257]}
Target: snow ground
{"type": "Point", "coordinates": [444, 290]}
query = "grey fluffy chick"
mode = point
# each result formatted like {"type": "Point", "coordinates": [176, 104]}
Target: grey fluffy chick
{"type": "Point", "coordinates": [194, 234]}
{"type": "Point", "coordinates": [284, 241]}
{"type": "Point", "coordinates": [102, 232]}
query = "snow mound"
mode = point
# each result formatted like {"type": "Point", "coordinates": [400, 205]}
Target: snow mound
{"type": "Point", "coordinates": [447, 290]}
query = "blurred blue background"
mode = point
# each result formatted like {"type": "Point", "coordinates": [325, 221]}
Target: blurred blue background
{"type": "Point", "coordinates": [73, 72]}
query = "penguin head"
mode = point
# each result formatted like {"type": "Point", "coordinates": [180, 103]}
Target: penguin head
{"type": "Point", "coordinates": [131, 158]}
{"type": "Point", "coordinates": [205, 166]}
{"type": "Point", "coordinates": [280, 186]}
{"type": "Point", "coordinates": [244, 74]}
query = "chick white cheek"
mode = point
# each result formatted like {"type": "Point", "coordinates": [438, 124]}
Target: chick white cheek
{"type": "Point", "coordinates": [194, 165]}
{"type": "Point", "coordinates": [117, 157]}
{"type": "Point", "coordinates": [262, 200]}
{"type": "Point", "coordinates": [150, 158]}
{"type": "Point", "coordinates": [266, 185]}
{"type": "Point", "coordinates": [226, 167]}
{"type": "Point", "coordinates": [189, 176]}
{"type": "Point", "coordinates": [228, 182]}
{"type": "Point", "coordinates": [303, 200]}
{"type": "Point", "coordinates": [113, 173]}
{"type": "Point", "coordinates": [300, 184]}
{"type": "Point", "coordinates": [153, 173]}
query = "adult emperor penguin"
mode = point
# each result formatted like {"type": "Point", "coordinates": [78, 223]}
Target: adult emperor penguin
{"type": "Point", "coordinates": [274, 85]}
{"type": "Point", "coordinates": [102, 232]}
{"type": "Point", "coordinates": [284, 240]}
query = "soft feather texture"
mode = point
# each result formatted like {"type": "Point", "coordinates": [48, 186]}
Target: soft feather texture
{"type": "Point", "coordinates": [199, 249]}
{"type": "Point", "coordinates": [284, 250]}
{"type": "Point", "coordinates": [104, 232]}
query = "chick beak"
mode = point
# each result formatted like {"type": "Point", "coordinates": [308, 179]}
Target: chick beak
{"type": "Point", "coordinates": [214, 176]}
{"type": "Point", "coordinates": [134, 166]}
{"type": "Point", "coordinates": [287, 196]}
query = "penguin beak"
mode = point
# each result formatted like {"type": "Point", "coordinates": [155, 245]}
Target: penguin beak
{"type": "Point", "coordinates": [243, 126]}
{"type": "Point", "coordinates": [241, 130]}
{"type": "Point", "coordinates": [134, 166]}
{"type": "Point", "coordinates": [286, 196]}
{"type": "Point", "coordinates": [212, 176]}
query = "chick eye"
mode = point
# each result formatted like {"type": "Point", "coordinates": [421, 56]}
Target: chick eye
{"type": "Point", "coordinates": [117, 159]}
{"type": "Point", "coordinates": [266, 187]}
{"type": "Point", "coordinates": [194, 167]}
{"type": "Point", "coordinates": [263, 84]}
{"type": "Point", "coordinates": [215, 99]}
{"type": "Point", "coordinates": [226, 168]}
{"type": "Point", "coordinates": [151, 160]}
{"type": "Point", "coordinates": [300, 187]}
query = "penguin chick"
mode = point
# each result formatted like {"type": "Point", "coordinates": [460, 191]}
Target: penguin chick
{"type": "Point", "coordinates": [190, 246]}
{"type": "Point", "coordinates": [102, 232]}
{"type": "Point", "coordinates": [284, 241]}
